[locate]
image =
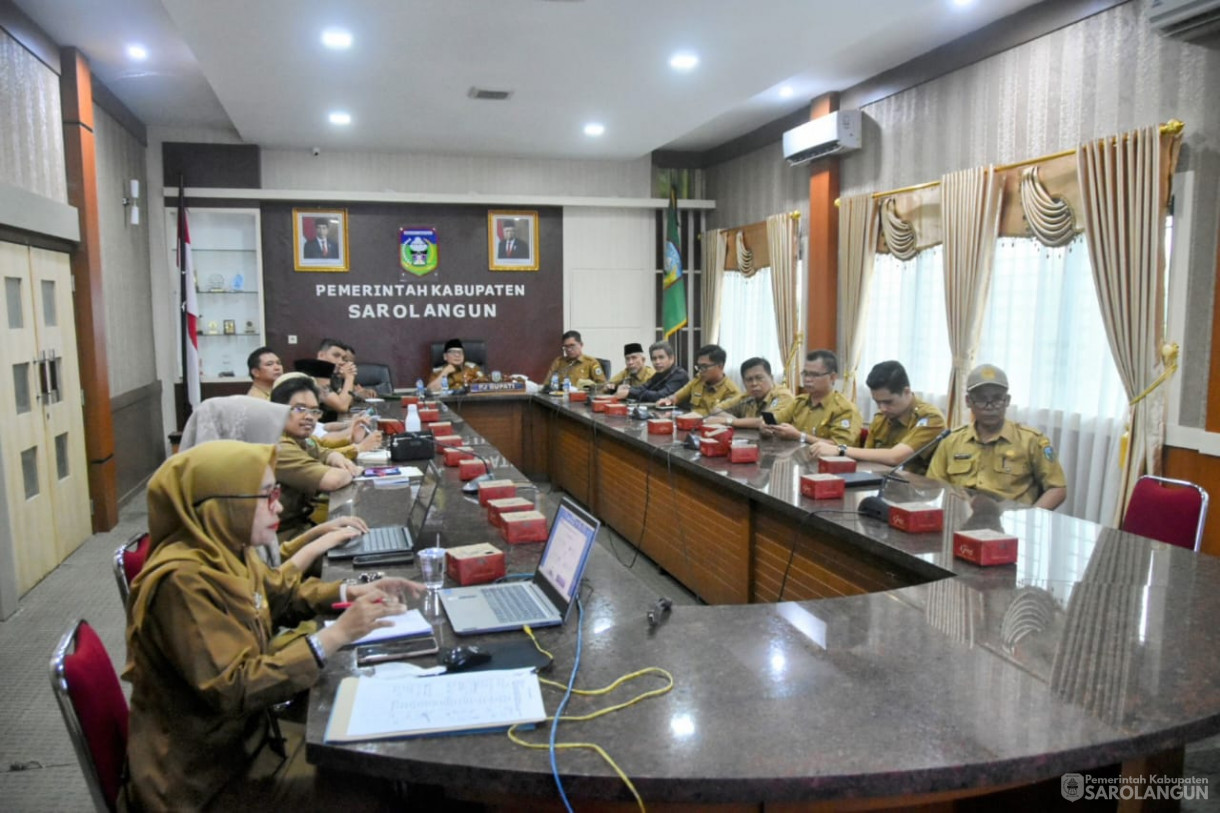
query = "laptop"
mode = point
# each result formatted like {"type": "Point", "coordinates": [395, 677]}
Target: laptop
{"type": "Point", "coordinates": [395, 538]}
{"type": "Point", "coordinates": [546, 600]}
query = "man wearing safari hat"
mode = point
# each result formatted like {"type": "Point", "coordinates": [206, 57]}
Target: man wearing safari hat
{"type": "Point", "coordinates": [998, 456]}
{"type": "Point", "coordinates": [636, 370]}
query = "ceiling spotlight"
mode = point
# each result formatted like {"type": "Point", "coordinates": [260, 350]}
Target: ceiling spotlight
{"type": "Point", "coordinates": [683, 61]}
{"type": "Point", "coordinates": [339, 117]}
{"type": "Point", "coordinates": [594, 129]}
{"type": "Point", "coordinates": [963, 3]}
{"type": "Point", "coordinates": [137, 52]}
{"type": "Point", "coordinates": [337, 38]}
{"type": "Point", "coordinates": [786, 91]}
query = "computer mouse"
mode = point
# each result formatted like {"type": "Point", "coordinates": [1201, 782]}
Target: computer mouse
{"type": "Point", "coordinates": [463, 657]}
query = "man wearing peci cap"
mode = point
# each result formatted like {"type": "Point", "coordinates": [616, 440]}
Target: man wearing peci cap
{"type": "Point", "coordinates": [636, 370]}
{"type": "Point", "coordinates": [457, 372]}
{"type": "Point", "coordinates": [995, 455]}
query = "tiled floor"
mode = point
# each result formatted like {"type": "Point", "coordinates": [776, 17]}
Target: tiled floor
{"type": "Point", "coordinates": [38, 768]}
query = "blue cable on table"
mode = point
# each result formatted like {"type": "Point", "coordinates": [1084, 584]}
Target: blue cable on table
{"type": "Point", "coordinates": [580, 626]}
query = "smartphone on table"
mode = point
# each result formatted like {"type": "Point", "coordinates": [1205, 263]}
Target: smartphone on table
{"type": "Point", "coordinates": [386, 651]}
{"type": "Point", "coordinates": [768, 418]}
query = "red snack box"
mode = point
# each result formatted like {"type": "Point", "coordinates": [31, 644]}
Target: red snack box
{"type": "Point", "coordinates": [743, 453]}
{"type": "Point", "coordinates": [509, 505]}
{"type": "Point", "coordinates": [447, 440]}
{"type": "Point", "coordinates": [616, 408]}
{"type": "Point", "coordinates": [429, 414]}
{"type": "Point", "coordinates": [388, 426]}
{"type": "Point", "coordinates": [471, 468]}
{"type": "Point", "coordinates": [407, 400]}
{"type": "Point", "coordinates": [660, 426]}
{"type": "Point", "coordinates": [835, 465]}
{"type": "Point", "coordinates": [823, 486]}
{"type": "Point", "coordinates": [577, 396]}
{"type": "Point", "coordinates": [495, 490]}
{"type": "Point", "coordinates": [719, 431]}
{"type": "Point", "coordinates": [439, 427]}
{"type": "Point", "coordinates": [600, 406]}
{"type": "Point", "coordinates": [475, 564]}
{"type": "Point", "coordinates": [985, 547]}
{"type": "Point", "coordinates": [456, 454]}
{"type": "Point", "coordinates": [916, 517]}
{"type": "Point", "coordinates": [712, 447]}
{"type": "Point", "coordinates": [523, 526]}
{"type": "Point", "coordinates": [688, 422]}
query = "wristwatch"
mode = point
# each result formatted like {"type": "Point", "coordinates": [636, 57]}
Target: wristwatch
{"type": "Point", "coordinates": [842, 450]}
{"type": "Point", "coordinates": [315, 646]}
{"type": "Point", "coordinates": [803, 438]}
{"type": "Point", "coordinates": [729, 420]}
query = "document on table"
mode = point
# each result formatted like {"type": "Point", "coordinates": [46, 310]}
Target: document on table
{"type": "Point", "coordinates": [404, 625]}
{"type": "Point", "coordinates": [372, 709]}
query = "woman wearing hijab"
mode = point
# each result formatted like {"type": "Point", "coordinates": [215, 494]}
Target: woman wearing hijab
{"type": "Point", "coordinates": [200, 621]}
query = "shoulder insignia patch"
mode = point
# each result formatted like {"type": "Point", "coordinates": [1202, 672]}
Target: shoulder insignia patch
{"type": "Point", "coordinates": [921, 422]}
{"type": "Point", "coordinates": [1049, 451]}
{"type": "Point", "coordinates": [597, 369]}
{"type": "Point", "coordinates": [846, 422]}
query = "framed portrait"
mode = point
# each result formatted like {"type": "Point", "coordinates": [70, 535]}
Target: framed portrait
{"type": "Point", "coordinates": [230, 327]}
{"type": "Point", "coordinates": [512, 240]}
{"type": "Point", "coordinates": [319, 238]}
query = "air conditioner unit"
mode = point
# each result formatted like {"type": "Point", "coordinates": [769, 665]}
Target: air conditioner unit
{"type": "Point", "coordinates": [1185, 19]}
{"type": "Point", "coordinates": [833, 134]}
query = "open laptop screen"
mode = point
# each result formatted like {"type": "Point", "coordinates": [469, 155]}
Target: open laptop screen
{"type": "Point", "coordinates": [572, 537]}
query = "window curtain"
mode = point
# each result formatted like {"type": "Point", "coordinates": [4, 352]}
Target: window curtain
{"type": "Point", "coordinates": [782, 231]}
{"type": "Point", "coordinates": [970, 211]}
{"type": "Point", "coordinates": [858, 227]}
{"type": "Point", "coordinates": [715, 248]}
{"type": "Point", "coordinates": [747, 328]}
{"type": "Point", "coordinates": [1124, 187]}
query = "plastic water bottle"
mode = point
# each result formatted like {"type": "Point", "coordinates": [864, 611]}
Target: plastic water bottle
{"type": "Point", "coordinates": [445, 385]}
{"type": "Point", "coordinates": [412, 422]}
{"type": "Point", "coordinates": [419, 389]}
{"type": "Point", "coordinates": [567, 389]}
{"type": "Point", "coordinates": [555, 382]}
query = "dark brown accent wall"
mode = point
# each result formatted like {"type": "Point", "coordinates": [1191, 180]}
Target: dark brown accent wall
{"type": "Point", "coordinates": [218, 166]}
{"type": "Point", "coordinates": [522, 335]}
{"type": "Point", "coordinates": [76, 93]}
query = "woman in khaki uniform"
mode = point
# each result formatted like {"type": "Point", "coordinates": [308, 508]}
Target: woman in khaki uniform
{"type": "Point", "coordinates": [200, 621]}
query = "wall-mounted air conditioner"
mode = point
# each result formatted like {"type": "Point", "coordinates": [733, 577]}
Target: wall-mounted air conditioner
{"type": "Point", "coordinates": [1185, 19]}
{"type": "Point", "coordinates": [833, 134]}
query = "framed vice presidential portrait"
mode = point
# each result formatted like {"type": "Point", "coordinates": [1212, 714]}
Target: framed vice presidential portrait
{"type": "Point", "coordinates": [319, 239]}
{"type": "Point", "coordinates": [512, 241]}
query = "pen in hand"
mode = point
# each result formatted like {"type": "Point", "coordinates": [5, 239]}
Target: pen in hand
{"type": "Point", "coordinates": [343, 605]}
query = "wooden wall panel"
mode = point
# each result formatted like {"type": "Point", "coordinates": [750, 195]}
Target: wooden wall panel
{"type": "Point", "coordinates": [502, 424]}
{"type": "Point", "coordinates": [570, 460]}
{"type": "Point", "coordinates": [1204, 470]}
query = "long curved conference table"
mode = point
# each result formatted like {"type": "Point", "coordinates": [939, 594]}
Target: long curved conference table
{"type": "Point", "coordinates": [836, 660]}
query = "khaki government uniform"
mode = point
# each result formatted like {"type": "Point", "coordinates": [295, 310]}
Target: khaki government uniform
{"type": "Point", "coordinates": [255, 392]}
{"type": "Point", "coordinates": [464, 377]}
{"type": "Point", "coordinates": [299, 469]}
{"type": "Point", "coordinates": [704, 397]}
{"type": "Point", "coordinates": [575, 370]}
{"type": "Point", "coordinates": [746, 407]}
{"type": "Point", "coordinates": [1020, 464]}
{"type": "Point", "coordinates": [835, 419]}
{"type": "Point", "coordinates": [916, 428]}
{"type": "Point", "coordinates": [631, 379]}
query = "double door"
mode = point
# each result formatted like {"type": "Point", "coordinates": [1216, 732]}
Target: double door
{"type": "Point", "coordinates": [42, 438]}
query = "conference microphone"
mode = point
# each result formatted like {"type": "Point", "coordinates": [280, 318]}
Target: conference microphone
{"type": "Point", "coordinates": [876, 506]}
{"type": "Point", "coordinates": [658, 610]}
{"type": "Point", "coordinates": [472, 486]}
{"type": "Point", "coordinates": [640, 413]}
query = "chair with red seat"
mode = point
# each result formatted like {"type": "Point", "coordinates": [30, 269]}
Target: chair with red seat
{"type": "Point", "coordinates": [863, 436]}
{"type": "Point", "coordinates": [1166, 510]}
{"type": "Point", "coordinates": [128, 561]}
{"type": "Point", "coordinates": [94, 708]}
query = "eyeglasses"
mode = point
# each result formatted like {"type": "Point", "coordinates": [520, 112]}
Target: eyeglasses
{"type": "Point", "coordinates": [570, 346]}
{"type": "Point", "coordinates": [272, 497]}
{"type": "Point", "coordinates": [811, 374]}
{"type": "Point", "coordinates": [703, 368]}
{"type": "Point", "coordinates": [298, 409]}
{"type": "Point", "coordinates": [990, 403]}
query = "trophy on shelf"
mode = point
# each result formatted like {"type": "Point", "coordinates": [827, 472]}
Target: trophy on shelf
{"type": "Point", "coordinates": [216, 283]}
{"type": "Point", "coordinates": [213, 327]}
{"type": "Point", "coordinates": [230, 327]}
{"type": "Point", "coordinates": [238, 282]}
{"type": "Point", "coordinates": [250, 327]}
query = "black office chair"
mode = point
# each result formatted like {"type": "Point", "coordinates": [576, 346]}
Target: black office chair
{"type": "Point", "coordinates": [476, 351]}
{"type": "Point", "coordinates": [605, 363]}
{"type": "Point", "coordinates": [375, 376]}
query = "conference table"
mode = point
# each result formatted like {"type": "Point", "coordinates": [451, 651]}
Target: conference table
{"type": "Point", "coordinates": [833, 659]}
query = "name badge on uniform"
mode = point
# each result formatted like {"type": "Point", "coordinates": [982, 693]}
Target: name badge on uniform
{"type": "Point", "coordinates": [258, 601]}
{"type": "Point", "coordinates": [962, 456]}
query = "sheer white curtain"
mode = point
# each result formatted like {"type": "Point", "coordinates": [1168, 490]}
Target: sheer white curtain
{"type": "Point", "coordinates": [747, 321]}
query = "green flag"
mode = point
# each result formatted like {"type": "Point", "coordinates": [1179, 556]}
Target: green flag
{"type": "Point", "coordinates": [673, 297]}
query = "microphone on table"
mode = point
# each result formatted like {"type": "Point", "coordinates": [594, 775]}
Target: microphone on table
{"type": "Point", "coordinates": [658, 610]}
{"type": "Point", "coordinates": [640, 413]}
{"type": "Point", "coordinates": [875, 506]}
{"type": "Point", "coordinates": [472, 486]}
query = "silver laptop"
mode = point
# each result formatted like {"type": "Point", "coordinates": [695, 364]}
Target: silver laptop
{"type": "Point", "coordinates": [395, 538]}
{"type": "Point", "coordinates": [546, 600]}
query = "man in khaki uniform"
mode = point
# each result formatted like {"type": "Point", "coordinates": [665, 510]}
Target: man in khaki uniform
{"type": "Point", "coordinates": [710, 385]}
{"type": "Point", "coordinates": [761, 395]}
{"type": "Point", "coordinates": [456, 371]}
{"type": "Point", "coordinates": [820, 412]}
{"type": "Point", "coordinates": [902, 426]}
{"type": "Point", "coordinates": [995, 455]}
{"type": "Point", "coordinates": [636, 371]}
{"type": "Point", "coordinates": [573, 365]}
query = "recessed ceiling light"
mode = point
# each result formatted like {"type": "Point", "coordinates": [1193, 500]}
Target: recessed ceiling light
{"type": "Point", "coordinates": [337, 38]}
{"type": "Point", "coordinates": [138, 52]}
{"type": "Point", "coordinates": [786, 91]}
{"type": "Point", "coordinates": [963, 3]}
{"type": "Point", "coordinates": [594, 129]}
{"type": "Point", "coordinates": [683, 61]}
{"type": "Point", "coordinates": [339, 117]}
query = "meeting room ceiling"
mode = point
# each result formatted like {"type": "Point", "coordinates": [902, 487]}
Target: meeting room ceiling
{"type": "Point", "coordinates": [260, 68]}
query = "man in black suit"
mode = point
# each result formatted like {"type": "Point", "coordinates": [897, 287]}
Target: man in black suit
{"type": "Point", "coordinates": [322, 247]}
{"type": "Point", "coordinates": [511, 247]}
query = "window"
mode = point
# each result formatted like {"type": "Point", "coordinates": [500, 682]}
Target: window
{"type": "Point", "coordinates": [747, 322]}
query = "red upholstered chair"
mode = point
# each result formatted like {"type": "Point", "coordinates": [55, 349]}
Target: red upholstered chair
{"type": "Point", "coordinates": [863, 436]}
{"type": "Point", "coordinates": [128, 561]}
{"type": "Point", "coordinates": [1171, 511]}
{"type": "Point", "coordinates": [95, 711]}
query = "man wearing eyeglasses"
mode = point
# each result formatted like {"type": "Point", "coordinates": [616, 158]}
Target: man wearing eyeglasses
{"type": "Point", "coordinates": [995, 455]}
{"type": "Point", "coordinates": [710, 385]}
{"type": "Point", "coordinates": [761, 395]}
{"type": "Point", "coordinates": [573, 365]}
{"type": "Point", "coordinates": [302, 467]}
{"type": "Point", "coordinates": [820, 411]}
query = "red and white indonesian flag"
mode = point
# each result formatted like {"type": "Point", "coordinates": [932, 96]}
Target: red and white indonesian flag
{"type": "Point", "coordinates": [190, 305]}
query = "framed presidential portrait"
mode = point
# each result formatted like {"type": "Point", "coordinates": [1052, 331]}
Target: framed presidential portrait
{"type": "Point", "coordinates": [512, 240]}
{"type": "Point", "coordinates": [319, 238]}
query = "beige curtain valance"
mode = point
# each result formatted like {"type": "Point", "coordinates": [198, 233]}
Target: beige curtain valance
{"type": "Point", "coordinates": [754, 240]}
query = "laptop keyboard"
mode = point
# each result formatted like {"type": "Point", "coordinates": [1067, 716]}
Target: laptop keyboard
{"type": "Point", "coordinates": [511, 603]}
{"type": "Point", "coordinates": [377, 540]}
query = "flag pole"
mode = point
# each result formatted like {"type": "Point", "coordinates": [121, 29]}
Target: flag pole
{"type": "Point", "coordinates": [181, 255]}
